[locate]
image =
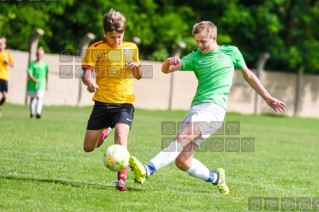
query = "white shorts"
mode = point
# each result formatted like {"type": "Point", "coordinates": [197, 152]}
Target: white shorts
{"type": "Point", "coordinates": [36, 94]}
{"type": "Point", "coordinates": [208, 117]}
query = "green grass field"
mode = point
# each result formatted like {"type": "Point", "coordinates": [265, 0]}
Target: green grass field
{"type": "Point", "coordinates": [43, 166]}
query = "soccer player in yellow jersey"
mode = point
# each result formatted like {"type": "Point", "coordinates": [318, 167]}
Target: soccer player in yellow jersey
{"type": "Point", "coordinates": [115, 63]}
{"type": "Point", "coordinates": [5, 61]}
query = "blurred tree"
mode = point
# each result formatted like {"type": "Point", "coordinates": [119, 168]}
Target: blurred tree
{"type": "Point", "coordinates": [65, 22]}
{"type": "Point", "coordinates": [287, 29]}
{"type": "Point", "coordinates": [301, 34]}
{"type": "Point", "coordinates": [159, 27]}
{"type": "Point", "coordinates": [77, 20]}
{"type": "Point", "coordinates": [19, 19]}
{"type": "Point", "coordinates": [143, 19]}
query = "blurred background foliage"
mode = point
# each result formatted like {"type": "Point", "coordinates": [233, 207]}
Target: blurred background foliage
{"type": "Point", "coordinates": [287, 29]}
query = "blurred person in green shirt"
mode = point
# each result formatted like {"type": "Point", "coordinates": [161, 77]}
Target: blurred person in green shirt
{"type": "Point", "coordinates": [38, 71]}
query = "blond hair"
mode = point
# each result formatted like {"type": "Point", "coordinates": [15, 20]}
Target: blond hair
{"type": "Point", "coordinates": [40, 50]}
{"type": "Point", "coordinates": [3, 38]}
{"type": "Point", "coordinates": [207, 26]}
{"type": "Point", "coordinates": [114, 20]}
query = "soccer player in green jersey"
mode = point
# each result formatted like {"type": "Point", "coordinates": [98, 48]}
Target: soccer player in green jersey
{"type": "Point", "coordinates": [213, 66]}
{"type": "Point", "coordinates": [38, 72]}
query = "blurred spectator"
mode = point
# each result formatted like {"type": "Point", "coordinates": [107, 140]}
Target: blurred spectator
{"type": "Point", "coordinates": [38, 71]}
{"type": "Point", "coordinates": [5, 60]}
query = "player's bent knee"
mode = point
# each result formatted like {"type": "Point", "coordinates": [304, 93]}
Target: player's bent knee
{"type": "Point", "coordinates": [183, 139]}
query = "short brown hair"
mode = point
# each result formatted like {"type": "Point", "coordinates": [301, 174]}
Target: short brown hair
{"type": "Point", "coordinates": [114, 20]}
{"type": "Point", "coordinates": [207, 26]}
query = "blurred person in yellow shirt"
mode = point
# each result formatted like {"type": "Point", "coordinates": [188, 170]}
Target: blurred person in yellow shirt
{"type": "Point", "coordinates": [5, 61]}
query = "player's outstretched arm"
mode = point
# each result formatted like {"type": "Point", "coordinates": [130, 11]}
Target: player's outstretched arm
{"type": "Point", "coordinates": [254, 82]}
{"type": "Point", "coordinates": [171, 64]}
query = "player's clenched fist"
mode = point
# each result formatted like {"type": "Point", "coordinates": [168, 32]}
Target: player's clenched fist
{"type": "Point", "coordinates": [173, 60]}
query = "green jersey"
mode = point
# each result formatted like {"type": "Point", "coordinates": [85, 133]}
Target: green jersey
{"type": "Point", "coordinates": [39, 71]}
{"type": "Point", "coordinates": [214, 72]}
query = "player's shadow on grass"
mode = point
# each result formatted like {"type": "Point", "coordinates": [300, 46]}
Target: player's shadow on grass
{"type": "Point", "coordinates": [93, 185]}
{"type": "Point", "coordinates": [275, 115]}
{"type": "Point", "coordinates": [67, 182]}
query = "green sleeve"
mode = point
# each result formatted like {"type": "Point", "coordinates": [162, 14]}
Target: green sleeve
{"type": "Point", "coordinates": [29, 71]}
{"type": "Point", "coordinates": [238, 59]}
{"type": "Point", "coordinates": [188, 62]}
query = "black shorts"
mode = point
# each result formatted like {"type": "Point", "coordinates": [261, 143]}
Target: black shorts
{"type": "Point", "coordinates": [108, 115]}
{"type": "Point", "coordinates": [3, 85]}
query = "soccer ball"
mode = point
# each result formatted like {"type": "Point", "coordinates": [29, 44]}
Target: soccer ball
{"type": "Point", "coordinates": [116, 158]}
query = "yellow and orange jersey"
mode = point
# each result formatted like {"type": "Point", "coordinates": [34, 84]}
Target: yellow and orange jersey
{"type": "Point", "coordinates": [4, 69]}
{"type": "Point", "coordinates": [114, 80]}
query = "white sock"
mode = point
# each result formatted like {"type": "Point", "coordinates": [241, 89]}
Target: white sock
{"type": "Point", "coordinates": [32, 106]}
{"type": "Point", "coordinates": [39, 106]}
{"type": "Point", "coordinates": [165, 157]}
{"type": "Point", "coordinates": [200, 171]}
